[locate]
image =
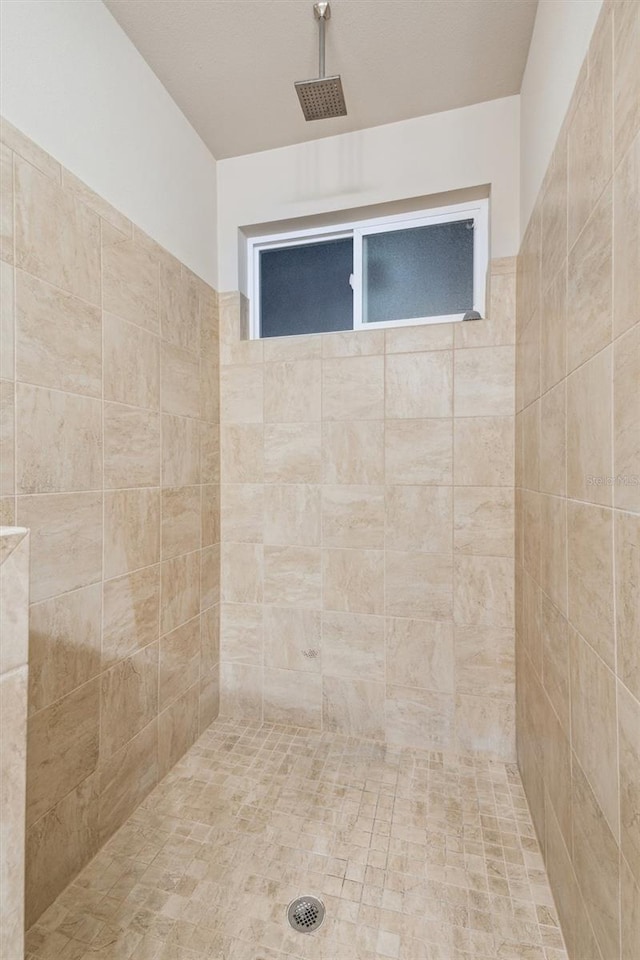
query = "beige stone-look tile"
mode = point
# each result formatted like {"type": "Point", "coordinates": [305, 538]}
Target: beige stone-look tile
{"type": "Point", "coordinates": [484, 382]}
{"type": "Point", "coordinates": [353, 707]}
{"type": "Point", "coordinates": [530, 418]}
{"type": "Point", "coordinates": [483, 521]}
{"type": "Point", "coordinates": [627, 578]}
{"type": "Point", "coordinates": [64, 644]}
{"type": "Point", "coordinates": [241, 690]}
{"type": "Point", "coordinates": [130, 280]}
{"type": "Point", "coordinates": [209, 704]}
{"type": "Point", "coordinates": [241, 393]}
{"type": "Point", "coordinates": [498, 328]}
{"type": "Point", "coordinates": [528, 362]}
{"type": "Point", "coordinates": [13, 701]}
{"type": "Point", "coordinates": [180, 590]}
{"type": "Point", "coordinates": [178, 728]}
{"type": "Point", "coordinates": [209, 389]}
{"type": "Point", "coordinates": [7, 320]}
{"type": "Point", "coordinates": [483, 451]}
{"type": "Point", "coordinates": [590, 133]}
{"type": "Point", "coordinates": [554, 631]}
{"type": "Point", "coordinates": [553, 549]}
{"type": "Point", "coordinates": [418, 718]}
{"type": "Point", "coordinates": [554, 213]}
{"type": "Point", "coordinates": [66, 541]}
{"type": "Point", "coordinates": [553, 331]}
{"type": "Point", "coordinates": [62, 747]}
{"type": "Point", "coordinates": [298, 347]}
{"type": "Point", "coordinates": [242, 572]}
{"type": "Point", "coordinates": [593, 725]}
{"type": "Point", "coordinates": [14, 600]}
{"type": "Point", "coordinates": [530, 532]}
{"type": "Point", "coordinates": [210, 522]}
{"type": "Point", "coordinates": [596, 864]}
{"type": "Point", "coordinates": [131, 447]}
{"type": "Point", "coordinates": [92, 200]}
{"type": "Point", "coordinates": [7, 511]}
{"type": "Point", "coordinates": [419, 653]}
{"type": "Point", "coordinates": [553, 443]}
{"type": "Point", "coordinates": [7, 436]}
{"type": "Point", "coordinates": [418, 585]}
{"type": "Point", "coordinates": [242, 452]}
{"type": "Point", "coordinates": [209, 452]}
{"type": "Point", "coordinates": [419, 385]}
{"type": "Point", "coordinates": [209, 576]}
{"type": "Point", "coordinates": [590, 582]}
{"type": "Point", "coordinates": [241, 632]}
{"type": "Point", "coordinates": [589, 290]}
{"type": "Point", "coordinates": [59, 444]}
{"type": "Point", "coordinates": [6, 204]}
{"type": "Point", "coordinates": [424, 336]}
{"type": "Point", "coordinates": [483, 591]}
{"type": "Point", "coordinates": [131, 614]}
{"type": "Point", "coordinates": [557, 771]}
{"type": "Point", "coordinates": [181, 438]}
{"type": "Point", "coordinates": [181, 518]}
{"type": "Point", "coordinates": [626, 75]}
{"type": "Point", "coordinates": [589, 453]}
{"type": "Point", "coordinates": [209, 639]}
{"type": "Point", "coordinates": [180, 393]}
{"type": "Point", "coordinates": [353, 645]}
{"type": "Point", "coordinates": [352, 343]}
{"type": "Point", "coordinates": [353, 388]}
{"type": "Point", "coordinates": [486, 725]}
{"type": "Point", "coordinates": [242, 515]}
{"type": "Point", "coordinates": [292, 639]}
{"type": "Point", "coordinates": [179, 306]}
{"type": "Point", "coordinates": [179, 663]}
{"type": "Point", "coordinates": [528, 268]}
{"type": "Point", "coordinates": [626, 237]}
{"type": "Point", "coordinates": [126, 778]}
{"type": "Point", "coordinates": [629, 747]}
{"type": "Point", "coordinates": [292, 576]}
{"type": "Point", "coordinates": [626, 420]}
{"type": "Point", "coordinates": [292, 514]}
{"type": "Point", "coordinates": [58, 338]}
{"type": "Point", "coordinates": [292, 696]}
{"type": "Point", "coordinates": [353, 452]}
{"type": "Point", "coordinates": [131, 530]}
{"type": "Point", "coordinates": [353, 516]}
{"type": "Point", "coordinates": [292, 453]}
{"type": "Point", "coordinates": [629, 912]}
{"type": "Point", "coordinates": [353, 580]}
{"type": "Point", "coordinates": [59, 845]}
{"type": "Point", "coordinates": [57, 238]}
{"type": "Point", "coordinates": [292, 391]}
{"type": "Point", "coordinates": [485, 661]}
{"type": "Point", "coordinates": [419, 451]}
{"type": "Point", "coordinates": [131, 364]}
{"type": "Point", "coordinates": [129, 699]}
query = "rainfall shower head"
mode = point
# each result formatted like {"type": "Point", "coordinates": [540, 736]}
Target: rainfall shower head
{"type": "Point", "coordinates": [321, 98]}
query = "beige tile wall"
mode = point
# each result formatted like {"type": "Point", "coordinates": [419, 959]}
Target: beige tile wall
{"type": "Point", "coordinates": [367, 528]}
{"type": "Point", "coordinates": [110, 391]}
{"type": "Point", "coordinates": [578, 541]}
{"type": "Point", "coordinates": [14, 649]}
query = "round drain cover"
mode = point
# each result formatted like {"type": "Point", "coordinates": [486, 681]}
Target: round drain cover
{"type": "Point", "coordinates": [305, 914]}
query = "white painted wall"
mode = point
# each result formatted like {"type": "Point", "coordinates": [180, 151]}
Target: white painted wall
{"type": "Point", "coordinates": [560, 41]}
{"type": "Point", "coordinates": [413, 158]}
{"type": "Point", "coordinates": [73, 82]}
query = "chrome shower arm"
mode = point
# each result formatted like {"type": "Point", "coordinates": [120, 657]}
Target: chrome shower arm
{"type": "Point", "coordinates": [322, 12]}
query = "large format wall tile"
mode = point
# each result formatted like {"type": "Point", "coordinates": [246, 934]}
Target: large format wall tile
{"type": "Point", "coordinates": [109, 395]}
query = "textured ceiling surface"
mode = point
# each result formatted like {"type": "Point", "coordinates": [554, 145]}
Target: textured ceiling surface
{"type": "Point", "coordinates": [230, 65]}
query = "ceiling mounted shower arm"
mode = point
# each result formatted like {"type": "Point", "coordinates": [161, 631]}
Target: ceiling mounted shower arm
{"type": "Point", "coordinates": [322, 13]}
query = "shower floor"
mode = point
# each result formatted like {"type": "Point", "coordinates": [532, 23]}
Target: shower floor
{"type": "Point", "coordinates": [417, 856]}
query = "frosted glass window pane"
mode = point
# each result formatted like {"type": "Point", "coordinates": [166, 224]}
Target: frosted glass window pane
{"type": "Point", "coordinates": [305, 289]}
{"type": "Point", "coordinates": [419, 272]}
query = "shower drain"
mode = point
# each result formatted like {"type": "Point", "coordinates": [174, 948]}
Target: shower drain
{"type": "Point", "coordinates": [305, 914]}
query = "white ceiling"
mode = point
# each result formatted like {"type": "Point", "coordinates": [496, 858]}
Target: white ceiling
{"type": "Point", "coordinates": [230, 64]}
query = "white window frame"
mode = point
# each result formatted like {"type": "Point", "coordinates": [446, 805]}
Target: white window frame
{"type": "Point", "coordinates": [477, 210]}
